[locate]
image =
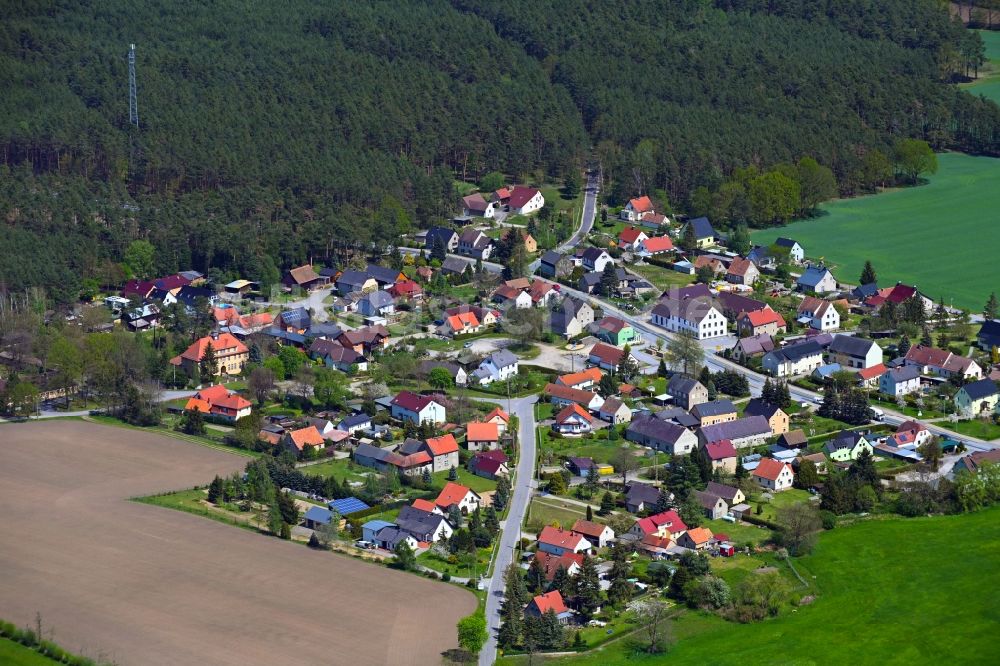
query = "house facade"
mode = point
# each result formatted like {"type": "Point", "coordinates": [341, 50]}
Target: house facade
{"type": "Point", "coordinates": [698, 316]}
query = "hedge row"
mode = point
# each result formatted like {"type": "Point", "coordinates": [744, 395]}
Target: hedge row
{"type": "Point", "coordinates": [31, 640]}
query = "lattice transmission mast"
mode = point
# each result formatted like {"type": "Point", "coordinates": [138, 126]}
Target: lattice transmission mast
{"type": "Point", "coordinates": [133, 106]}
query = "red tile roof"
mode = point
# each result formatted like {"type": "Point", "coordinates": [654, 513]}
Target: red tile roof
{"type": "Point", "coordinates": [406, 288]}
{"type": "Point", "coordinates": [764, 317]}
{"type": "Point", "coordinates": [550, 601]}
{"type": "Point", "coordinates": [740, 266]}
{"type": "Point", "coordinates": [424, 505]}
{"type": "Point", "coordinates": [588, 528]}
{"type": "Point", "coordinates": [304, 437]}
{"type": "Point", "coordinates": [213, 393]}
{"type": "Point", "coordinates": [574, 379]}
{"type": "Point", "coordinates": [641, 204]}
{"type": "Point", "coordinates": [553, 536]}
{"type": "Point", "coordinates": [699, 535]}
{"type": "Point", "coordinates": [476, 431]}
{"type": "Point", "coordinates": [873, 372]}
{"type": "Point", "coordinates": [658, 244]}
{"type": "Point", "coordinates": [551, 563]}
{"type": "Point", "coordinates": [668, 519]}
{"type": "Point", "coordinates": [411, 401]}
{"type": "Point", "coordinates": [463, 320]}
{"type": "Point", "coordinates": [566, 393]}
{"type": "Point", "coordinates": [225, 345]}
{"type": "Point", "coordinates": [504, 416]}
{"type": "Point", "coordinates": [769, 469]}
{"type": "Point", "coordinates": [720, 450]}
{"type": "Point", "coordinates": [521, 195]}
{"type": "Point", "coordinates": [232, 401]}
{"type": "Point", "coordinates": [443, 445]}
{"type": "Point", "coordinates": [630, 235]}
{"type": "Point", "coordinates": [570, 411]}
{"type": "Point", "coordinates": [451, 494]}
{"type": "Point", "coordinates": [607, 353]}
{"type": "Point", "coordinates": [196, 405]}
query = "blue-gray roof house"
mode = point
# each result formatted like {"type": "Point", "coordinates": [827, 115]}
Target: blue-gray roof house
{"type": "Point", "coordinates": [817, 279]}
{"type": "Point", "coordinates": [703, 231]}
{"type": "Point", "coordinates": [347, 505]}
{"type": "Point", "coordinates": [376, 303]}
{"type": "Point", "coordinates": [355, 422]}
{"type": "Point", "coordinates": [297, 318]}
{"type": "Point", "coordinates": [372, 527]}
{"type": "Point", "coordinates": [316, 516]}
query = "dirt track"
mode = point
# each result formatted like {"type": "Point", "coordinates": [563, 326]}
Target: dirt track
{"type": "Point", "coordinates": [146, 585]}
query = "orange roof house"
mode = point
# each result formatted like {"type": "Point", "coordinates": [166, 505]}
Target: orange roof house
{"type": "Point", "coordinates": [696, 538]}
{"type": "Point", "coordinates": [454, 494]}
{"type": "Point", "coordinates": [299, 439]}
{"type": "Point", "coordinates": [477, 431]}
{"type": "Point", "coordinates": [424, 505]}
{"type": "Point", "coordinates": [641, 204]}
{"type": "Point", "coordinates": [656, 245]}
{"type": "Point", "coordinates": [196, 405]}
{"type": "Point", "coordinates": [550, 601]}
{"type": "Point", "coordinates": [582, 379]}
{"type": "Point", "coordinates": [443, 445]}
{"type": "Point", "coordinates": [230, 354]}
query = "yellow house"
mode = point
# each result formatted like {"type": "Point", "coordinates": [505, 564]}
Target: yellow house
{"type": "Point", "coordinates": [230, 354]}
{"type": "Point", "coordinates": [717, 411]}
{"type": "Point", "coordinates": [776, 417]}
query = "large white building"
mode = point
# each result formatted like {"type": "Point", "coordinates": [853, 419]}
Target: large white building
{"type": "Point", "coordinates": [699, 315]}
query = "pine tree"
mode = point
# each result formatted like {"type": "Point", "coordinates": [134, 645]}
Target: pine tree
{"type": "Point", "coordinates": [215, 490]}
{"type": "Point", "coordinates": [868, 275]}
{"type": "Point", "coordinates": [661, 370]}
{"type": "Point", "coordinates": [991, 307]}
{"type": "Point", "coordinates": [590, 513]}
{"type": "Point", "coordinates": [767, 392]}
{"type": "Point", "coordinates": [209, 366]}
{"type": "Point", "coordinates": [588, 596]}
{"type": "Point", "coordinates": [713, 392]}
{"type": "Point", "coordinates": [925, 337]}
{"type": "Point", "coordinates": [255, 355]}
{"type": "Point", "coordinates": [438, 250]}
{"type": "Point", "coordinates": [783, 397]}
{"type": "Point", "coordinates": [903, 346]}
{"type": "Point", "coordinates": [607, 504]}
{"type": "Point", "coordinates": [689, 240]}
{"type": "Point", "coordinates": [535, 579]}
{"type": "Point", "coordinates": [677, 582]}
{"type": "Point", "coordinates": [609, 280]}
{"type": "Point", "coordinates": [621, 570]}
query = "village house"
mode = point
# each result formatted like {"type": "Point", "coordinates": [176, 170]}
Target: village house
{"type": "Point", "coordinates": [555, 265]}
{"type": "Point", "coordinates": [742, 271]}
{"type": "Point", "coordinates": [474, 243]}
{"type": "Point", "coordinates": [745, 432]}
{"type": "Point", "coordinates": [614, 411]}
{"type": "Point", "coordinates": [560, 542]}
{"type": "Point", "coordinates": [798, 359]}
{"type": "Point", "coordinates": [853, 352]}
{"type": "Point", "coordinates": [665, 524]}
{"type": "Point", "coordinates": [423, 525]}
{"type": "Point", "coordinates": [570, 317]}
{"type": "Point", "coordinates": [903, 380]}
{"type": "Point", "coordinates": [629, 237]}
{"type": "Point", "coordinates": [910, 434]}
{"type": "Point", "coordinates": [489, 464]}
{"type": "Point", "coordinates": [598, 535]}
{"type": "Point", "coordinates": [704, 234]}
{"type": "Point", "coordinates": [356, 281]}
{"type": "Point", "coordinates": [454, 494]}
{"type": "Point", "coordinates": [498, 366]}
{"type": "Point", "coordinates": [454, 266]}
{"type": "Point", "coordinates": [406, 290]}
{"type": "Point", "coordinates": [977, 398]}
{"type": "Point", "coordinates": [699, 316]}
{"type": "Point", "coordinates": [606, 357]}
{"type": "Point", "coordinates": [525, 200]}
{"type": "Point", "coordinates": [614, 331]}
{"type": "Point", "coordinates": [847, 446]}
{"type": "Point", "coordinates": [542, 293]}
{"type": "Point", "coordinates": [795, 251]}
{"type": "Point", "coordinates": [444, 236]}
{"type": "Point", "coordinates": [654, 245]}
{"type": "Point", "coordinates": [897, 295]}
{"type": "Point", "coordinates": [686, 392]}
{"type": "Point", "coordinates": [474, 205]}
{"type": "Point", "coordinates": [482, 436]}
{"type": "Point", "coordinates": [722, 454]}
{"type": "Point", "coordinates": [641, 496]}
{"type": "Point", "coordinates": [715, 507]}
{"type": "Point", "coordinates": [304, 277]}
{"type": "Point", "coordinates": [650, 431]}
{"type": "Point", "coordinates": [973, 462]}
{"type": "Point", "coordinates": [716, 411]}
{"type": "Point", "coordinates": [817, 279]}
{"type": "Point", "coordinates": [594, 259]}
{"type": "Point", "coordinates": [776, 417]}
{"type": "Point", "coordinates": [696, 538]}
{"type": "Point", "coordinates": [443, 451]}
{"type": "Point", "coordinates": [988, 336]}
{"type": "Point", "coordinates": [463, 323]}
{"type": "Point", "coordinates": [365, 340]}
{"type": "Point", "coordinates": [408, 406]}
{"type": "Point", "coordinates": [752, 347]}
{"type": "Point", "coordinates": [773, 475]}
{"type": "Point", "coordinates": [581, 380]}
{"type": "Point", "coordinates": [760, 322]}
{"type": "Point", "coordinates": [550, 601]}
{"type": "Point", "coordinates": [636, 209]}
{"type": "Point", "coordinates": [571, 562]}
{"type": "Point", "coordinates": [818, 314]}
{"type": "Point", "coordinates": [230, 354]}
{"type": "Point", "coordinates": [500, 418]}
{"type": "Point", "coordinates": [221, 403]}
{"type": "Point", "coordinates": [933, 361]}
{"type": "Point", "coordinates": [511, 297]}
{"type": "Point", "coordinates": [572, 420]}
{"type": "Point", "coordinates": [335, 355]}
{"type": "Point", "coordinates": [563, 395]}
{"type": "Point", "coordinates": [377, 304]}
{"type": "Point", "coordinates": [297, 441]}
{"type": "Point", "coordinates": [733, 496]}
{"type": "Point", "coordinates": [355, 423]}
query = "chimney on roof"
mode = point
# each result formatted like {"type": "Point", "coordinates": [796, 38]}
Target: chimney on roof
{"type": "Point", "coordinates": [215, 335]}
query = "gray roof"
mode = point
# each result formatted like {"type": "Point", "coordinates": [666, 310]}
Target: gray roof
{"type": "Point", "coordinates": [681, 385]}
{"type": "Point", "coordinates": [502, 358]}
{"type": "Point", "coordinates": [812, 276]}
{"type": "Point", "coordinates": [552, 257]}
{"type": "Point", "coordinates": [735, 304]}
{"type": "Point", "coordinates": [989, 332]}
{"type": "Point", "coordinates": [757, 344]}
{"type": "Point", "coordinates": [702, 228]}
{"type": "Point", "coordinates": [454, 265]}
{"type": "Point", "coordinates": [417, 522]}
{"type": "Point", "coordinates": [725, 492]}
{"type": "Point", "coordinates": [706, 499]}
{"type": "Point", "coordinates": [591, 279]}
{"type": "Point", "coordinates": [714, 408]}
{"type": "Point", "coordinates": [392, 535]}
{"type": "Point", "coordinates": [798, 351]}
{"type": "Point", "coordinates": [354, 420]}
{"type": "Point", "coordinates": [382, 274]}
{"type": "Point", "coordinates": [655, 429]}
{"type": "Point", "coordinates": [689, 309]}
{"type": "Point", "coordinates": [592, 254]}
{"type": "Point", "coordinates": [446, 235]}
{"type": "Point", "coordinates": [738, 429]}
{"type": "Point", "coordinates": [850, 345]}
{"type": "Point", "coordinates": [785, 242]}
{"type": "Point", "coordinates": [379, 299]}
{"type": "Point", "coordinates": [904, 373]}
{"type": "Point", "coordinates": [353, 278]}
{"type": "Point", "coordinates": [642, 492]}
{"type": "Point", "coordinates": [373, 452]}
{"type": "Point", "coordinates": [758, 407]}
{"type": "Point", "coordinates": [678, 416]}
{"type": "Point", "coordinates": [981, 389]}
{"type": "Point", "coordinates": [865, 290]}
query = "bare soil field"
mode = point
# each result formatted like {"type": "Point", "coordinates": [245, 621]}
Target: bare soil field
{"type": "Point", "coordinates": [140, 584]}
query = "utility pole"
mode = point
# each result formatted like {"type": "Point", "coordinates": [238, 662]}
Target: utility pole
{"type": "Point", "coordinates": [133, 106]}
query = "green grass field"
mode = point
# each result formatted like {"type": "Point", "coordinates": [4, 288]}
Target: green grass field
{"type": "Point", "coordinates": [898, 591]}
{"type": "Point", "coordinates": [15, 654]}
{"type": "Point", "coordinates": [988, 83]}
{"type": "Point", "coordinates": [940, 236]}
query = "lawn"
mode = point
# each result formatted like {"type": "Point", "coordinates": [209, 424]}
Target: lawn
{"type": "Point", "coordinates": [341, 468]}
{"type": "Point", "coordinates": [881, 601]}
{"type": "Point", "coordinates": [739, 533]}
{"type": "Point", "coordinates": [988, 83]}
{"type": "Point", "coordinates": [947, 223]}
{"type": "Point", "coordinates": [15, 654]}
{"type": "Point", "coordinates": [662, 278]}
{"type": "Point", "coordinates": [467, 479]}
{"type": "Point", "coordinates": [780, 500]}
{"type": "Point", "coordinates": [548, 511]}
{"type": "Point", "coordinates": [975, 428]}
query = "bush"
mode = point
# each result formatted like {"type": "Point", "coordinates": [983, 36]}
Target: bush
{"type": "Point", "coordinates": [446, 577]}
{"type": "Point", "coordinates": [829, 519]}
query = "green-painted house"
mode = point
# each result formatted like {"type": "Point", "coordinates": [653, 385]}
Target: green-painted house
{"type": "Point", "coordinates": [977, 398]}
{"type": "Point", "coordinates": [614, 331]}
{"type": "Point", "coordinates": [847, 446]}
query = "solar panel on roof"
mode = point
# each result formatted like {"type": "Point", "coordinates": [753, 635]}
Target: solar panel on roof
{"type": "Point", "coordinates": [347, 505]}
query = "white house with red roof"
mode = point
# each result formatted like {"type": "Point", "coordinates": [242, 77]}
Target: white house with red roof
{"type": "Point", "coordinates": [482, 436]}
{"type": "Point", "coordinates": [595, 533]}
{"type": "Point", "coordinates": [573, 420]}
{"type": "Point", "coordinates": [606, 357]}
{"type": "Point", "coordinates": [297, 441]}
{"type": "Point", "coordinates": [230, 354]}
{"type": "Point", "coordinates": [773, 475]}
{"type": "Point", "coordinates": [654, 245]}
{"type": "Point", "coordinates": [760, 322]}
{"type": "Point", "coordinates": [636, 209]}
{"type": "Point", "coordinates": [571, 562]}
{"type": "Point", "coordinates": [525, 200]}
{"type": "Point", "coordinates": [550, 601]}
{"type": "Point", "coordinates": [934, 361]}
{"type": "Point", "coordinates": [910, 434]}
{"type": "Point", "coordinates": [220, 402]}
{"type": "Point", "coordinates": [461, 323]}
{"type": "Point", "coordinates": [454, 494]}
{"type": "Point", "coordinates": [443, 451]}
{"type": "Point", "coordinates": [500, 418]}
{"type": "Point", "coordinates": [722, 454]}
{"type": "Point", "coordinates": [742, 271]}
{"type": "Point", "coordinates": [629, 237]}
{"type": "Point", "coordinates": [818, 313]}
{"type": "Point", "coordinates": [665, 524]}
{"type": "Point", "coordinates": [560, 542]}
{"type": "Point", "coordinates": [409, 406]}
